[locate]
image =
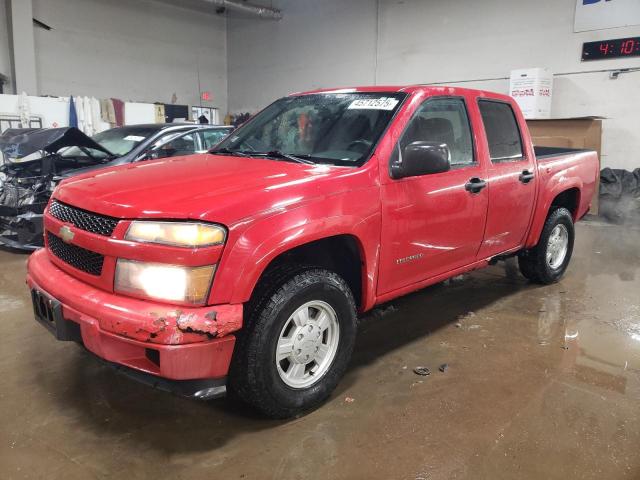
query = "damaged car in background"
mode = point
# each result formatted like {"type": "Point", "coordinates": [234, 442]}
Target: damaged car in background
{"type": "Point", "coordinates": [31, 168]}
{"type": "Point", "coordinates": [34, 161]}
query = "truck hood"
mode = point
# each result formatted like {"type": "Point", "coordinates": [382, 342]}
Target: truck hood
{"type": "Point", "coordinates": [216, 188]}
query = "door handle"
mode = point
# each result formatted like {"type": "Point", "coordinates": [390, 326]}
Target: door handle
{"type": "Point", "coordinates": [526, 176]}
{"type": "Point", "coordinates": [474, 185]}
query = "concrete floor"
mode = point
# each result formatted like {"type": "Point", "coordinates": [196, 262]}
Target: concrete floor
{"type": "Point", "coordinates": [543, 382]}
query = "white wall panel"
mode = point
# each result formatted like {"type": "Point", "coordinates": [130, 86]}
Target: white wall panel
{"type": "Point", "coordinates": [142, 51]}
{"type": "Point", "coordinates": [336, 43]}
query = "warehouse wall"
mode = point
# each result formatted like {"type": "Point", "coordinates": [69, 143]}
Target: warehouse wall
{"type": "Point", "coordinates": [5, 56]}
{"type": "Point", "coordinates": [318, 43]}
{"type": "Point", "coordinates": [463, 42]}
{"type": "Point", "coordinates": [140, 51]}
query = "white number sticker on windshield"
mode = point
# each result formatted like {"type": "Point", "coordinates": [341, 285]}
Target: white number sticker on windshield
{"type": "Point", "coordinates": [133, 138]}
{"type": "Point", "coordinates": [383, 103]}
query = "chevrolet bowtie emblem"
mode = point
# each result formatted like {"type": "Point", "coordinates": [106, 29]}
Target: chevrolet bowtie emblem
{"type": "Point", "coordinates": [66, 234]}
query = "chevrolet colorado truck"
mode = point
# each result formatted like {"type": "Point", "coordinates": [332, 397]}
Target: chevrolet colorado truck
{"type": "Point", "coordinates": [244, 269]}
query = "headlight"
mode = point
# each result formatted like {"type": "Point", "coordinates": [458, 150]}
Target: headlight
{"type": "Point", "coordinates": [164, 282]}
{"type": "Point", "coordinates": [181, 234]}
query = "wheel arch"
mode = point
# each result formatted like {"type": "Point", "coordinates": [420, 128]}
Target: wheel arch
{"type": "Point", "coordinates": [566, 195]}
{"type": "Point", "coordinates": [569, 199]}
{"type": "Point", "coordinates": [337, 244]}
{"type": "Point", "coordinates": [342, 254]}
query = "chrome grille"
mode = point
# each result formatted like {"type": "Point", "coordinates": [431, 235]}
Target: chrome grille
{"type": "Point", "coordinates": [88, 221]}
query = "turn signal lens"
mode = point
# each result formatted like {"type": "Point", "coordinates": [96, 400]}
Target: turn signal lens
{"type": "Point", "coordinates": [164, 282]}
{"type": "Point", "coordinates": [181, 234]}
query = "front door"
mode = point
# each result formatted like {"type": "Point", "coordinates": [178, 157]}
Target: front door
{"type": "Point", "coordinates": [434, 223]}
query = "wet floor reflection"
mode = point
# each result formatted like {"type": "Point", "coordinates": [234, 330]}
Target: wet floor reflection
{"type": "Point", "coordinates": [541, 382]}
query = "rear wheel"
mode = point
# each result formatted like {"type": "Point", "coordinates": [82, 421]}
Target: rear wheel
{"type": "Point", "coordinates": [547, 261]}
{"type": "Point", "coordinates": [296, 344]}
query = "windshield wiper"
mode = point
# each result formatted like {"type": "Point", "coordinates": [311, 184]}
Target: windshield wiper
{"type": "Point", "coordinates": [272, 154]}
{"type": "Point", "coordinates": [279, 154]}
{"type": "Point", "coordinates": [226, 151]}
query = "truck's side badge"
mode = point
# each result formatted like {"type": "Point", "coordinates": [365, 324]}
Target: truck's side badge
{"type": "Point", "coordinates": [410, 258]}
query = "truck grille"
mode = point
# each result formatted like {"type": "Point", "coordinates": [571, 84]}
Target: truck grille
{"type": "Point", "coordinates": [78, 257]}
{"type": "Point", "coordinates": [90, 222]}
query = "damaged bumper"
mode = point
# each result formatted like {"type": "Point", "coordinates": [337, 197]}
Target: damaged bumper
{"type": "Point", "coordinates": [22, 231]}
{"type": "Point", "coordinates": [153, 338]}
{"type": "Point", "coordinates": [22, 203]}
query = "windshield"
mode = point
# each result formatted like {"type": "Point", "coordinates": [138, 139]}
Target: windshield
{"type": "Point", "coordinates": [335, 128]}
{"type": "Point", "coordinates": [118, 141]}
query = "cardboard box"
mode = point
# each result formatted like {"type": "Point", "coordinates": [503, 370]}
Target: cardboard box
{"type": "Point", "coordinates": [579, 132]}
{"type": "Point", "coordinates": [532, 88]}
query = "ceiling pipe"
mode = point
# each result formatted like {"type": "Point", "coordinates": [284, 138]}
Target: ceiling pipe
{"type": "Point", "coordinates": [251, 9]}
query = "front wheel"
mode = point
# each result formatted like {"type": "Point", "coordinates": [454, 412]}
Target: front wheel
{"type": "Point", "coordinates": [547, 261]}
{"type": "Point", "coordinates": [296, 344]}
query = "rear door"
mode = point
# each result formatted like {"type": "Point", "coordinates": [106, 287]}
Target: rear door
{"type": "Point", "coordinates": [511, 178]}
{"type": "Point", "coordinates": [434, 223]}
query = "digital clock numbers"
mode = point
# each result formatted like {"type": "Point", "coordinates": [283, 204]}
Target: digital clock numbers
{"type": "Point", "coordinates": [618, 48]}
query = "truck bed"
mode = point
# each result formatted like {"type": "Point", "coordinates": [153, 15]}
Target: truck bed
{"type": "Point", "coordinates": [571, 170]}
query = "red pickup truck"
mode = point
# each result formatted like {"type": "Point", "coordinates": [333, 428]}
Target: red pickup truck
{"type": "Point", "coordinates": [245, 268]}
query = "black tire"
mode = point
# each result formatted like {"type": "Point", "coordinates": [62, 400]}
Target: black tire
{"type": "Point", "coordinates": [533, 262]}
{"type": "Point", "coordinates": [253, 375]}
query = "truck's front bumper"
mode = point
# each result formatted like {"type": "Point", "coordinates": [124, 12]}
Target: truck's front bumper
{"type": "Point", "coordinates": [155, 338]}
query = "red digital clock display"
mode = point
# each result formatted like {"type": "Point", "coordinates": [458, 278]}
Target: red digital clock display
{"type": "Point", "coordinates": [618, 48]}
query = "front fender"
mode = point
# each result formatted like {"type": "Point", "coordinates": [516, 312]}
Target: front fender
{"type": "Point", "coordinates": [356, 214]}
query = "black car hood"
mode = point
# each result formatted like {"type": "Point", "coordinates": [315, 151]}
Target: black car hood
{"type": "Point", "coordinates": [20, 142]}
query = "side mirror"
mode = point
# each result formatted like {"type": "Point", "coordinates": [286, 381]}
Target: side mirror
{"type": "Point", "coordinates": [422, 158]}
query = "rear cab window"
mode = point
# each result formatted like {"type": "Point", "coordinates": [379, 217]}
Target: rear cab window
{"type": "Point", "coordinates": [503, 134]}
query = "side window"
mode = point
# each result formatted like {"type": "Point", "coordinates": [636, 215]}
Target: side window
{"type": "Point", "coordinates": [502, 131]}
{"type": "Point", "coordinates": [165, 138]}
{"type": "Point", "coordinates": [210, 138]}
{"type": "Point", "coordinates": [179, 145]}
{"type": "Point", "coordinates": [442, 120]}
